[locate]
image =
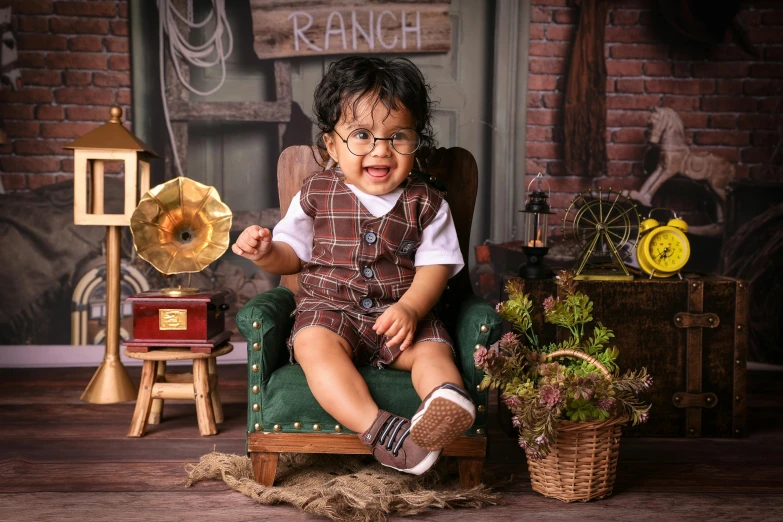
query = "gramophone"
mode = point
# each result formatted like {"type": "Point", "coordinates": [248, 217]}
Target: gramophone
{"type": "Point", "coordinates": [180, 226]}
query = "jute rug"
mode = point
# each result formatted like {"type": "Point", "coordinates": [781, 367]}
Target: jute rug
{"type": "Point", "coordinates": [344, 487]}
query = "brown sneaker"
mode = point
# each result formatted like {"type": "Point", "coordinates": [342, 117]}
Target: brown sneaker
{"type": "Point", "coordinates": [445, 414]}
{"type": "Point", "coordinates": [390, 444]}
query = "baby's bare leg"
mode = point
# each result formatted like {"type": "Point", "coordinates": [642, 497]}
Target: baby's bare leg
{"type": "Point", "coordinates": [430, 363]}
{"type": "Point", "coordinates": [446, 410]}
{"type": "Point", "coordinates": [338, 387]}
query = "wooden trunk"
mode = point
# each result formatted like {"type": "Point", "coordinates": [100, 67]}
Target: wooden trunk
{"type": "Point", "coordinates": [691, 335]}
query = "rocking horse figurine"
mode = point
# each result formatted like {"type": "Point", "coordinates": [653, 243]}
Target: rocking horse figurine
{"type": "Point", "coordinates": [677, 158]}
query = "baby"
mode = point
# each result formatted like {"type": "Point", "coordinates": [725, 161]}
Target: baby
{"type": "Point", "coordinates": [375, 249]}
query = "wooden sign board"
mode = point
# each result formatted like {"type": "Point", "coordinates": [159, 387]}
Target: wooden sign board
{"type": "Point", "coordinates": [287, 28]}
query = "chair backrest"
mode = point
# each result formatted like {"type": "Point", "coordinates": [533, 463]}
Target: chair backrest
{"type": "Point", "coordinates": [455, 168]}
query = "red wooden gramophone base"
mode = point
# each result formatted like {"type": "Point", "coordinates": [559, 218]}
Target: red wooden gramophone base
{"type": "Point", "coordinates": [194, 321]}
{"type": "Point", "coordinates": [135, 346]}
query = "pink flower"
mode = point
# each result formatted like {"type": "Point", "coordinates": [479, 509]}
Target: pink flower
{"type": "Point", "coordinates": [605, 404]}
{"type": "Point", "coordinates": [508, 338]}
{"type": "Point", "coordinates": [480, 356]}
{"type": "Point", "coordinates": [533, 454]}
{"type": "Point", "coordinates": [499, 307]}
{"type": "Point", "coordinates": [549, 303]}
{"type": "Point", "coordinates": [512, 401]}
{"type": "Point", "coordinates": [644, 417]}
{"type": "Point", "coordinates": [541, 440]}
{"type": "Point", "coordinates": [516, 422]}
{"type": "Point", "coordinates": [522, 443]}
{"type": "Point", "coordinates": [648, 382]}
{"type": "Point", "coordinates": [550, 396]}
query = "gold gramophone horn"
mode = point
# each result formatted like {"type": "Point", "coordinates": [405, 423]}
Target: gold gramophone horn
{"type": "Point", "coordinates": [181, 226]}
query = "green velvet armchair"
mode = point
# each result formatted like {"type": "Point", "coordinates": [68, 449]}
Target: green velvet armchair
{"type": "Point", "coordinates": [284, 417]}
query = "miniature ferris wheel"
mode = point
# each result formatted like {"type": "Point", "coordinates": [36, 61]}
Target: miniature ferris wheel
{"type": "Point", "coordinates": [602, 227]}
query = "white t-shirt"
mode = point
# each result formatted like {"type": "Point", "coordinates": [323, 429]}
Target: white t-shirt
{"type": "Point", "coordinates": [439, 244]}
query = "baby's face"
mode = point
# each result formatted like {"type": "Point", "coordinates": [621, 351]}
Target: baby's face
{"type": "Point", "coordinates": [383, 169]}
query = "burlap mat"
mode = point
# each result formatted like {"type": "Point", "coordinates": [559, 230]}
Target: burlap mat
{"type": "Point", "coordinates": [344, 487]}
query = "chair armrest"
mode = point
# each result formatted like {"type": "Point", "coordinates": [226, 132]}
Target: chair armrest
{"type": "Point", "coordinates": [270, 312]}
{"type": "Point", "coordinates": [477, 324]}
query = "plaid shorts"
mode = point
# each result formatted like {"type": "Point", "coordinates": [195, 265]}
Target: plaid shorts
{"type": "Point", "coordinates": [368, 346]}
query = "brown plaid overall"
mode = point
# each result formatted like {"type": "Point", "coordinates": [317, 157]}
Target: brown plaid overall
{"type": "Point", "coordinates": [361, 264]}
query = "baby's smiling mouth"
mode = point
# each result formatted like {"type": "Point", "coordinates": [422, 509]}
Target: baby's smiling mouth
{"type": "Point", "coordinates": [377, 171]}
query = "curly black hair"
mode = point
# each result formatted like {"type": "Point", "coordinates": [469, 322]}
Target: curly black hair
{"type": "Point", "coordinates": [394, 82]}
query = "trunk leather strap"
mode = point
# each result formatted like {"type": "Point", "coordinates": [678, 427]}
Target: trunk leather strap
{"type": "Point", "coordinates": [695, 400]}
{"type": "Point", "coordinates": [688, 320]}
{"type": "Point", "coordinates": [693, 376]}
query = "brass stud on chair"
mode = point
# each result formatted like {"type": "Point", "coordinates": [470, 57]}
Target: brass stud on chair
{"type": "Point", "coordinates": [256, 389]}
{"type": "Point", "coordinates": [484, 328]}
{"type": "Point", "coordinates": [297, 425]}
{"type": "Point", "coordinates": [478, 387]}
{"type": "Point", "coordinates": [316, 427]}
{"type": "Point", "coordinates": [255, 368]}
{"type": "Point", "coordinates": [479, 431]}
{"type": "Point", "coordinates": [257, 426]}
{"type": "Point", "coordinates": [277, 427]}
{"type": "Point", "coordinates": [256, 325]}
{"type": "Point", "coordinates": [338, 428]}
{"type": "Point", "coordinates": [478, 346]}
{"type": "Point", "coordinates": [256, 346]}
{"type": "Point", "coordinates": [481, 408]}
{"type": "Point", "coordinates": [256, 407]}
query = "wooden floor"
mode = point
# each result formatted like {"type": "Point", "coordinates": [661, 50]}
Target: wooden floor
{"type": "Point", "coordinates": [61, 459]}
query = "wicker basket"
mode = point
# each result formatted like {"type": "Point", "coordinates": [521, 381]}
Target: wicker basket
{"type": "Point", "coordinates": [582, 465]}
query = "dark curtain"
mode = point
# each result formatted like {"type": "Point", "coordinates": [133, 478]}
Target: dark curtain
{"type": "Point", "coordinates": [585, 106]}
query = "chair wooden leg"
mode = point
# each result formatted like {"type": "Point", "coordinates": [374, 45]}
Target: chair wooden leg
{"type": "Point", "coordinates": [264, 467]}
{"type": "Point", "coordinates": [143, 400]}
{"type": "Point", "coordinates": [217, 407]}
{"type": "Point", "coordinates": [157, 404]}
{"type": "Point", "coordinates": [206, 417]}
{"type": "Point", "coordinates": [469, 471]}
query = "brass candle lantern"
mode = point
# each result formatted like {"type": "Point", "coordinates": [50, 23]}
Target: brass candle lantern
{"type": "Point", "coordinates": [536, 231]}
{"type": "Point", "coordinates": [110, 142]}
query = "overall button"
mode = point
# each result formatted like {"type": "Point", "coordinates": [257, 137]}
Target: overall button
{"type": "Point", "coordinates": [370, 238]}
{"type": "Point", "coordinates": [366, 303]}
{"type": "Point", "coordinates": [367, 272]}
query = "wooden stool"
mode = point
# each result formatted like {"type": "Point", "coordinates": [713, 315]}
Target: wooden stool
{"type": "Point", "coordinates": [157, 385]}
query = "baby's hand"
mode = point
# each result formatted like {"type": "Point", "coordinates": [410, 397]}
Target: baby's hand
{"type": "Point", "coordinates": [398, 322]}
{"type": "Point", "coordinates": [253, 243]}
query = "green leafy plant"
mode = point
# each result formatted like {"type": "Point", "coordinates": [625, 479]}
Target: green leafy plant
{"type": "Point", "coordinates": [541, 391]}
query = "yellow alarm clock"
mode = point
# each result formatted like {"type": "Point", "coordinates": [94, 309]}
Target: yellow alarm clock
{"type": "Point", "coordinates": [663, 250]}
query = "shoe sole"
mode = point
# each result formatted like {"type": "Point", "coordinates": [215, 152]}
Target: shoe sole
{"type": "Point", "coordinates": [445, 416]}
{"type": "Point", "coordinates": [420, 468]}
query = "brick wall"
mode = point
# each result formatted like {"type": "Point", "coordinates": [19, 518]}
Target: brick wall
{"type": "Point", "coordinates": [726, 98]}
{"type": "Point", "coordinates": [74, 60]}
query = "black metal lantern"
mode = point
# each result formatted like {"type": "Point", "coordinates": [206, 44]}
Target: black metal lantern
{"type": "Point", "coordinates": [536, 231]}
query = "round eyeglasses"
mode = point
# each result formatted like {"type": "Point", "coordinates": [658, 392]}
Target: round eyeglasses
{"type": "Point", "coordinates": [360, 142]}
